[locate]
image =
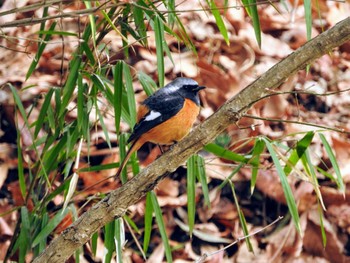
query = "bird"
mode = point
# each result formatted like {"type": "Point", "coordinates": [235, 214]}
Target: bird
{"type": "Point", "coordinates": [165, 117]}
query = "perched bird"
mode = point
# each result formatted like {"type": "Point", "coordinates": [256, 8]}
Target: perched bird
{"type": "Point", "coordinates": [166, 116]}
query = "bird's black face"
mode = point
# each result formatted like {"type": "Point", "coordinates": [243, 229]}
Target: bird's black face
{"type": "Point", "coordinates": [193, 88]}
{"type": "Point", "coordinates": [191, 92]}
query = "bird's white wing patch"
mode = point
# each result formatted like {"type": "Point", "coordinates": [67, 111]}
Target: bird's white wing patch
{"type": "Point", "coordinates": [152, 115]}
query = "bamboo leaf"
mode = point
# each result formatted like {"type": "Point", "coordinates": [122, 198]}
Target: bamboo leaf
{"type": "Point", "coordinates": [69, 87]}
{"type": "Point", "coordinates": [308, 18]}
{"type": "Point", "coordinates": [299, 150]}
{"type": "Point", "coordinates": [191, 192]}
{"type": "Point", "coordinates": [40, 51]}
{"type": "Point", "coordinates": [203, 179]}
{"type": "Point", "coordinates": [119, 238]}
{"type": "Point", "coordinates": [118, 93]}
{"type": "Point", "coordinates": [219, 21]}
{"type": "Point", "coordinates": [258, 148]}
{"type": "Point", "coordinates": [161, 226]}
{"type": "Point", "coordinates": [148, 85]}
{"type": "Point", "coordinates": [242, 220]}
{"type": "Point", "coordinates": [140, 22]}
{"type": "Point", "coordinates": [159, 38]}
{"type": "Point", "coordinates": [109, 244]}
{"type": "Point", "coordinates": [43, 112]}
{"type": "Point", "coordinates": [285, 185]}
{"type": "Point", "coordinates": [148, 222]}
{"type": "Point", "coordinates": [252, 10]}
{"type": "Point", "coordinates": [333, 159]}
{"type": "Point", "coordinates": [47, 230]}
{"type": "Point", "coordinates": [130, 93]}
{"type": "Point", "coordinates": [224, 153]}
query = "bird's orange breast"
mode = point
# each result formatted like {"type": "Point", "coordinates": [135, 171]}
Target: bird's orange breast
{"type": "Point", "coordinates": [176, 128]}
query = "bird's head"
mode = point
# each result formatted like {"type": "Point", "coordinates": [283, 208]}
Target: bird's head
{"type": "Point", "coordinates": [186, 87]}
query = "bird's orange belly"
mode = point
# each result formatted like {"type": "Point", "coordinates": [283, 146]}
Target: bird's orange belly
{"type": "Point", "coordinates": [176, 128]}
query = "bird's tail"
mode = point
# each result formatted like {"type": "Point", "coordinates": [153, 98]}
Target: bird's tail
{"type": "Point", "coordinates": [134, 147]}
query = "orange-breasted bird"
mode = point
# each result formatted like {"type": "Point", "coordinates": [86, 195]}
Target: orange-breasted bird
{"type": "Point", "coordinates": [166, 116]}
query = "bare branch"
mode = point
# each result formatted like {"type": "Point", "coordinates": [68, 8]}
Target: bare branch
{"type": "Point", "coordinates": [117, 202]}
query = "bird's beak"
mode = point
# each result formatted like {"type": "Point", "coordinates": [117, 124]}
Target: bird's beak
{"type": "Point", "coordinates": [199, 88]}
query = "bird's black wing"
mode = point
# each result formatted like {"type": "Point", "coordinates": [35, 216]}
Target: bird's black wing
{"type": "Point", "coordinates": [161, 107]}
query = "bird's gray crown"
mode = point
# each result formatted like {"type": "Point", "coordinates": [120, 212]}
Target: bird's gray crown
{"type": "Point", "coordinates": [181, 82]}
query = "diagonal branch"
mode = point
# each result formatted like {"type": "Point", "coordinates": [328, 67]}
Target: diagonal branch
{"type": "Point", "coordinates": [117, 202]}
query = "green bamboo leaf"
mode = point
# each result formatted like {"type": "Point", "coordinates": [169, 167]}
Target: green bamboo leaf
{"type": "Point", "coordinates": [109, 244]}
{"type": "Point", "coordinates": [308, 18]}
{"type": "Point", "coordinates": [242, 220]}
{"type": "Point", "coordinates": [332, 158]}
{"type": "Point", "coordinates": [219, 21]}
{"type": "Point", "coordinates": [203, 179]}
{"type": "Point", "coordinates": [328, 175]}
{"type": "Point", "coordinates": [43, 242]}
{"type": "Point", "coordinates": [119, 238]}
{"type": "Point", "coordinates": [228, 178]}
{"type": "Point", "coordinates": [87, 51]}
{"type": "Point", "coordinates": [184, 37]}
{"type": "Point", "coordinates": [19, 104]}
{"type": "Point", "coordinates": [170, 5]}
{"type": "Point", "coordinates": [54, 32]}
{"type": "Point", "coordinates": [70, 85]}
{"type": "Point", "coordinates": [140, 22]}
{"type": "Point", "coordinates": [224, 153]}
{"type": "Point", "coordinates": [125, 28]}
{"type": "Point", "coordinates": [159, 38]}
{"type": "Point", "coordinates": [191, 192]}
{"type": "Point", "coordinates": [309, 168]}
{"type": "Point", "coordinates": [94, 239]}
{"type": "Point", "coordinates": [43, 112]}
{"type": "Point", "coordinates": [92, 23]}
{"type": "Point", "coordinates": [72, 139]}
{"type": "Point", "coordinates": [17, 99]}
{"type": "Point", "coordinates": [122, 153]}
{"type": "Point", "coordinates": [148, 85]}
{"type": "Point", "coordinates": [161, 226]}
{"type": "Point", "coordinates": [252, 10]}
{"type": "Point", "coordinates": [299, 150]}
{"type": "Point", "coordinates": [104, 128]}
{"type": "Point", "coordinates": [118, 93]}
{"type": "Point", "coordinates": [24, 236]}
{"type": "Point", "coordinates": [323, 231]}
{"type": "Point", "coordinates": [20, 168]}
{"type": "Point", "coordinates": [84, 108]}
{"type": "Point", "coordinates": [131, 223]}
{"type": "Point", "coordinates": [77, 255]}
{"type": "Point", "coordinates": [258, 149]}
{"type": "Point", "coordinates": [130, 93]}
{"type": "Point", "coordinates": [148, 222]}
{"type": "Point", "coordinates": [100, 167]}
{"type": "Point", "coordinates": [135, 166]}
{"type": "Point", "coordinates": [40, 51]}
{"type": "Point", "coordinates": [285, 185]}
{"type": "Point", "coordinates": [51, 156]}
{"type": "Point", "coordinates": [47, 230]}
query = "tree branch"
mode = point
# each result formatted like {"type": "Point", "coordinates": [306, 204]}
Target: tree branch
{"type": "Point", "coordinates": [117, 202]}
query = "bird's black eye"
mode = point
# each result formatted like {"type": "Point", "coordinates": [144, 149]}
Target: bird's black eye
{"type": "Point", "coordinates": [193, 88]}
{"type": "Point", "coordinates": [190, 87]}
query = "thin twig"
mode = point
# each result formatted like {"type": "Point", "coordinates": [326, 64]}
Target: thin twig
{"type": "Point", "coordinates": [205, 255]}
{"type": "Point", "coordinates": [297, 122]}
{"type": "Point", "coordinates": [37, 20]}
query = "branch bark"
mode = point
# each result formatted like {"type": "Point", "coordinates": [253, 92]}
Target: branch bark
{"type": "Point", "coordinates": [117, 202]}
